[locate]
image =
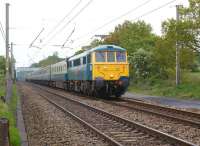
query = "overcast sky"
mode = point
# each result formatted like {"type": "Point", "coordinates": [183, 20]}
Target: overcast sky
{"type": "Point", "coordinates": [28, 17]}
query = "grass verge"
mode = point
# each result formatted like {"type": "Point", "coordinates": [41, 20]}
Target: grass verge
{"type": "Point", "coordinates": [8, 111]}
{"type": "Point", "coordinates": [188, 89]}
{"type": "Point", "coordinates": [2, 86]}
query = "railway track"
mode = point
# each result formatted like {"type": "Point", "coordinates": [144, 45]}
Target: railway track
{"type": "Point", "coordinates": [114, 129]}
{"type": "Point", "coordinates": [185, 117]}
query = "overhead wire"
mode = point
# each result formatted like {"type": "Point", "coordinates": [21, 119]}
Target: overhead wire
{"type": "Point", "coordinates": [2, 31]}
{"type": "Point", "coordinates": [76, 15]}
{"type": "Point", "coordinates": [34, 46]}
{"type": "Point", "coordinates": [63, 19]}
{"type": "Point", "coordinates": [156, 9]}
{"type": "Point", "coordinates": [63, 45]}
{"type": "Point", "coordinates": [31, 44]}
{"type": "Point", "coordinates": [116, 18]}
{"type": "Point", "coordinates": [102, 26]}
{"type": "Point", "coordinates": [153, 10]}
{"type": "Point", "coordinates": [145, 14]}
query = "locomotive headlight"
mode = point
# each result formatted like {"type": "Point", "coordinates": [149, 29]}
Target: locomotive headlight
{"type": "Point", "coordinates": [120, 82]}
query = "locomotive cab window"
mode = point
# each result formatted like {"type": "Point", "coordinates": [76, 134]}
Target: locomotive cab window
{"type": "Point", "coordinates": [100, 56]}
{"type": "Point", "coordinates": [121, 56]}
{"type": "Point", "coordinates": [111, 56]}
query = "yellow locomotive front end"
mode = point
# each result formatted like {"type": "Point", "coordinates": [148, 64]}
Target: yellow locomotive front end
{"type": "Point", "coordinates": [110, 65]}
{"type": "Point", "coordinates": [110, 71]}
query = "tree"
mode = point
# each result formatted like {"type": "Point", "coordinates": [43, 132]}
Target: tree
{"type": "Point", "coordinates": [2, 64]}
{"type": "Point", "coordinates": [49, 60]}
{"type": "Point", "coordinates": [165, 50]}
{"type": "Point", "coordinates": [165, 56]}
{"type": "Point", "coordinates": [79, 52]}
{"type": "Point", "coordinates": [142, 64]}
{"type": "Point", "coordinates": [191, 17]}
{"type": "Point", "coordinates": [186, 33]}
{"type": "Point", "coordinates": [35, 65]}
{"type": "Point", "coordinates": [132, 36]}
{"type": "Point", "coordinates": [93, 44]}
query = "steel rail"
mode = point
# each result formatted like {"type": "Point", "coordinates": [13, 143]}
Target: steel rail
{"type": "Point", "coordinates": [153, 106]}
{"type": "Point", "coordinates": [154, 133]}
{"type": "Point", "coordinates": [159, 113]}
{"type": "Point", "coordinates": [89, 126]}
{"type": "Point", "coordinates": [160, 110]}
{"type": "Point", "coordinates": [167, 109]}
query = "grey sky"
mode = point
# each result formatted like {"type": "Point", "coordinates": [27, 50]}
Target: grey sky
{"type": "Point", "coordinates": [28, 17]}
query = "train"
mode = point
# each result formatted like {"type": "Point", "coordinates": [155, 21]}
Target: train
{"type": "Point", "coordinates": [102, 71]}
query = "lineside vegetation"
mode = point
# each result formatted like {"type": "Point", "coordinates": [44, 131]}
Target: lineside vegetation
{"type": "Point", "coordinates": [9, 111]}
{"type": "Point", "coordinates": [152, 58]}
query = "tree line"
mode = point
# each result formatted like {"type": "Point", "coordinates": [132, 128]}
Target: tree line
{"type": "Point", "coordinates": [47, 61]}
{"type": "Point", "coordinates": [153, 56]}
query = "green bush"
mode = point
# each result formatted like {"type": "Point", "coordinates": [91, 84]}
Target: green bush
{"type": "Point", "coordinates": [143, 64]}
{"type": "Point", "coordinates": [189, 87]}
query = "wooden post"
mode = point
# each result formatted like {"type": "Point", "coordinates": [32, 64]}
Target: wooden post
{"type": "Point", "coordinates": [4, 132]}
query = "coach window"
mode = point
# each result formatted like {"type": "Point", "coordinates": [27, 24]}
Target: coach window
{"type": "Point", "coordinates": [70, 64]}
{"type": "Point", "coordinates": [84, 60]}
{"type": "Point", "coordinates": [89, 58]}
{"type": "Point", "coordinates": [121, 56]}
{"type": "Point", "coordinates": [111, 56]}
{"type": "Point", "coordinates": [100, 56]}
{"type": "Point", "coordinates": [77, 62]}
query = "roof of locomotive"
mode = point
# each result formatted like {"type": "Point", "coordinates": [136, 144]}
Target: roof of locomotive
{"type": "Point", "coordinates": [98, 48]}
